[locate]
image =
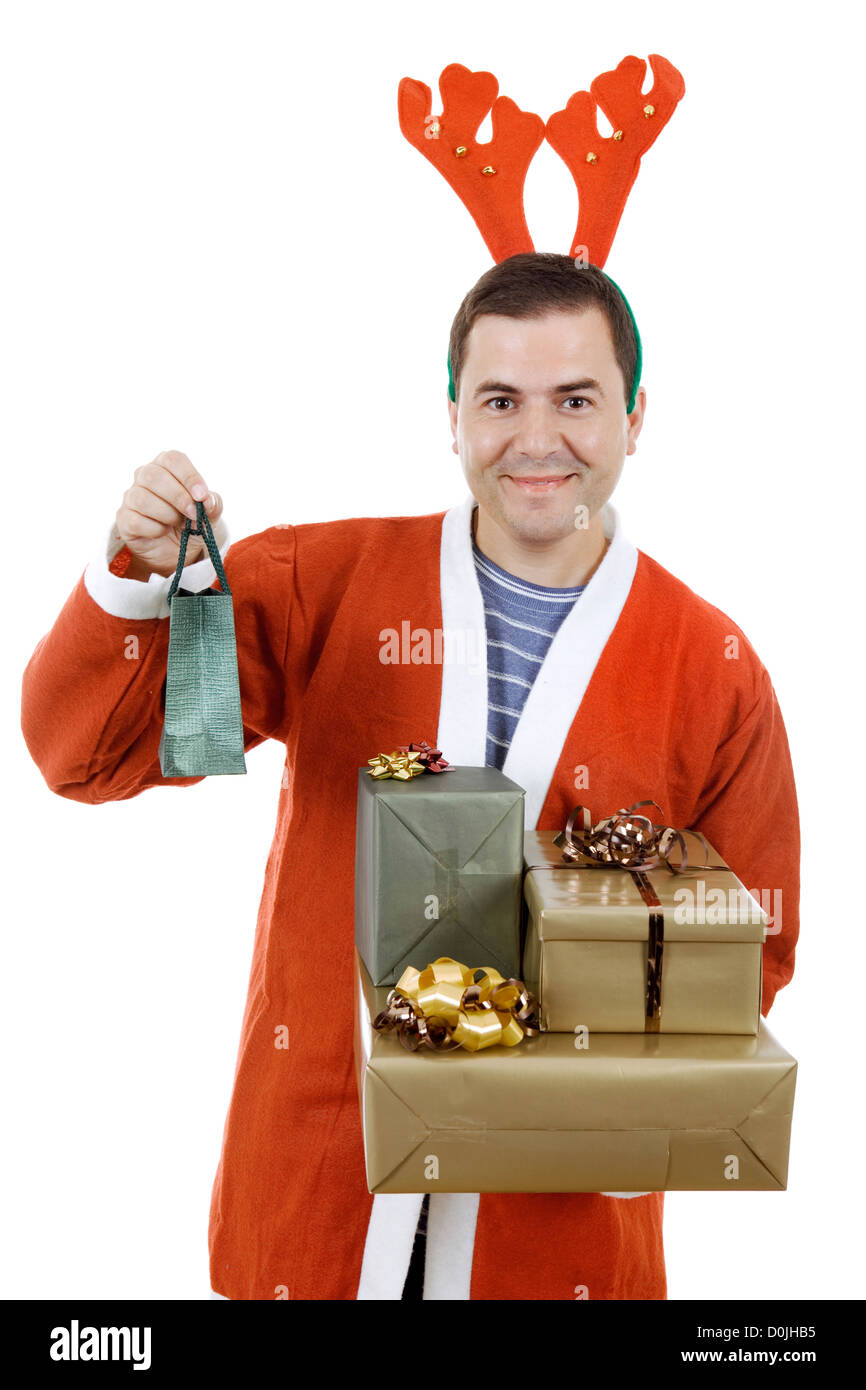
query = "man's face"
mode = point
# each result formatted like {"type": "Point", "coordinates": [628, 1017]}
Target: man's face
{"type": "Point", "coordinates": [540, 423]}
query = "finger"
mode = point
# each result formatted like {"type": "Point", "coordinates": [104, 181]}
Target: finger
{"type": "Point", "coordinates": [147, 503]}
{"type": "Point", "coordinates": [172, 475]}
{"type": "Point", "coordinates": [188, 476]}
{"type": "Point", "coordinates": [163, 483]}
{"type": "Point", "coordinates": [136, 529]}
{"type": "Point", "coordinates": [135, 526]}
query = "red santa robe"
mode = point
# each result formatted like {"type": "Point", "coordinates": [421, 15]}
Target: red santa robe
{"type": "Point", "coordinates": [647, 691]}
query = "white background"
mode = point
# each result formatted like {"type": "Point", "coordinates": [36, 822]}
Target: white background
{"type": "Point", "coordinates": [215, 239]}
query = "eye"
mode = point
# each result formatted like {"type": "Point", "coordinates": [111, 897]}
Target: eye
{"type": "Point", "coordinates": [577, 398]}
{"type": "Point", "coordinates": [500, 400]}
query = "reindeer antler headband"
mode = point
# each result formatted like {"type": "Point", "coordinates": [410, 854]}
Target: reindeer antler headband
{"type": "Point", "coordinates": [489, 178]}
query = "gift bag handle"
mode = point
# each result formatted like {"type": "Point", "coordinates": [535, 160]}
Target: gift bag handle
{"type": "Point", "coordinates": [201, 528]}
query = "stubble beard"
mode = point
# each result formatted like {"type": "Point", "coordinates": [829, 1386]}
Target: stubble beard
{"type": "Point", "coordinates": [541, 523]}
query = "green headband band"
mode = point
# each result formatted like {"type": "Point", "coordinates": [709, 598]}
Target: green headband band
{"type": "Point", "coordinates": [638, 366]}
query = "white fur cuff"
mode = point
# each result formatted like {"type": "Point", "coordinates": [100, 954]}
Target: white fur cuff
{"type": "Point", "coordinates": [134, 598]}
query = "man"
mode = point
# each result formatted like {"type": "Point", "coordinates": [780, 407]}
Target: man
{"type": "Point", "coordinates": [602, 679]}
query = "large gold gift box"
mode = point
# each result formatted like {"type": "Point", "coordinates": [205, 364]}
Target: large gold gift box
{"type": "Point", "coordinates": [586, 948]}
{"type": "Point", "coordinates": [632, 1112]}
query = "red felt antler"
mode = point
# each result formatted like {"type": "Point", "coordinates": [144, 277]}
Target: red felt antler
{"type": "Point", "coordinates": [488, 178]}
{"type": "Point", "coordinates": [605, 167]}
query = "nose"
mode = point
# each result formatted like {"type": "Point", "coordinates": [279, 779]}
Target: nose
{"type": "Point", "coordinates": [537, 431]}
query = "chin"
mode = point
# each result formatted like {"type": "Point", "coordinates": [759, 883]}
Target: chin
{"type": "Point", "coordinates": [537, 525]}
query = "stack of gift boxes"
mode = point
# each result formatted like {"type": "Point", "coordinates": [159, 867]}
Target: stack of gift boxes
{"type": "Point", "coordinates": [528, 1020]}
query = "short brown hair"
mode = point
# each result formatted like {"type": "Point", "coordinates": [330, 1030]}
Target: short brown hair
{"type": "Point", "coordinates": [534, 283]}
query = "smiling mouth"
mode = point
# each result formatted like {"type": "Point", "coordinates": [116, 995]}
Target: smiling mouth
{"type": "Point", "coordinates": [540, 484]}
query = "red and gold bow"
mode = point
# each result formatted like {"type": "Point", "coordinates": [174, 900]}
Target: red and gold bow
{"type": "Point", "coordinates": [446, 1005]}
{"type": "Point", "coordinates": [408, 761]}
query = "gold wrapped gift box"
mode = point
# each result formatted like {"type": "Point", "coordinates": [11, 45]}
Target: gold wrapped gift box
{"type": "Point", "coordinates": [632, 1112]}
{"type": "Point", "coordinates": [586, 946]}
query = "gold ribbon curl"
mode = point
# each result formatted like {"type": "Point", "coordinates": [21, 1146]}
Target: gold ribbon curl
{"type": "Point", "coordinates": [449, 1005]}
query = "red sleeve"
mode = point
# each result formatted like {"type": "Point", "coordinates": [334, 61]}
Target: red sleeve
{"type": "Point", "coordinates": [93, 692]}
{"type": "Point", "coordinates": [749, 812]}
{"type": "Point", "coordinates": [121, 562]}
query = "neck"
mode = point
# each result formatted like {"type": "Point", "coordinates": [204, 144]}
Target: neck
{"type": "Point", "coordinates": [558, 564]}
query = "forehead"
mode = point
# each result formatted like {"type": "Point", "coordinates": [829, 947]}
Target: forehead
{"type": "Point", "coordinates": [558, 346]}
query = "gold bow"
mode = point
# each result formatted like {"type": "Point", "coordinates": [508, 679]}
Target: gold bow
{"type": "Point", "coordinates": [445, 1006]}
{"type": "Point", "coordinates": [402, 766]}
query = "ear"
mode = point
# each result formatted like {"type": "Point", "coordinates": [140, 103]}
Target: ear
{"type": "Point", "coordinates": [452, 418]}
{"type": "Point", "coordinates": [635, 420]}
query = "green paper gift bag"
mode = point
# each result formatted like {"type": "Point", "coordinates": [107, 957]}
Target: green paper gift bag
{"type": "Point", "coordinates": [203, 732]}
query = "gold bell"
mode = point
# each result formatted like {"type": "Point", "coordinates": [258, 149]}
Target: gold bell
{"type": "Point", "coordinates": [617, 135]}
{"type": "Point", "coordinates": [488, 169]}
{"type": "Point", "coordinates": [649, 110]}
{"type": "Point", "coordinates": [592, 158]}
{"type": "Point", "coordinates": [461, 151]}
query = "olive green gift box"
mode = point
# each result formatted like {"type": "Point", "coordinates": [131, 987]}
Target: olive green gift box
{"type": "Point", "coordinates": [585, 952]}
{"type": "Point", "coordinates": [438, 870]}
{"type": "Point", "coordinates": [632, 1112]}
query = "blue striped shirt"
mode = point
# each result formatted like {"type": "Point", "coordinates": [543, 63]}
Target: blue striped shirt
{"type": "Point", "coordinates": [522, 620]}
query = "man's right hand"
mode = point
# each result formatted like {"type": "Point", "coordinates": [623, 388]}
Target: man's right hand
{"type": "Point", "coordinates": [154, 512]}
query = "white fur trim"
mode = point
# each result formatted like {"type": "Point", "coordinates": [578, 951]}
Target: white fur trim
{"type": "Point", "coordinates": [388, 1247]}
{"type": "Point", "coordinates": [451, 1224]}
{"type": "Point", "coordinates": [450, 1245]}
{"type": "Point", "coordinates": [463, 707]}
{"type": "Point", "coordinates": [135, 598]}
{"type": "Point", "coordinates": [625, 1194]}
{"type": "Point", "coordinates": [567, 669]}
{"type": "Point", "coordinates": [463, 731]}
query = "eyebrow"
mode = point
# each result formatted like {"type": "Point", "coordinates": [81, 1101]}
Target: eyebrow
{"type": "Point", "coordinates": [588, 384]}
